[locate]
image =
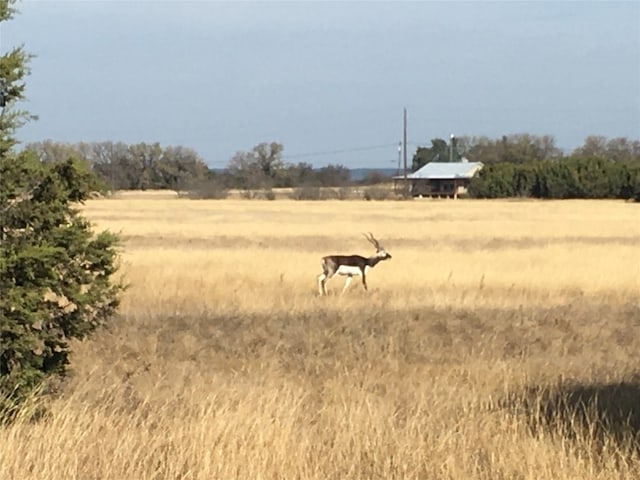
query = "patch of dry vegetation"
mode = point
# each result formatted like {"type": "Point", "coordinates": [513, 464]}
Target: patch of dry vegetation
{"type": "Point", "coordinates": [500, 342]}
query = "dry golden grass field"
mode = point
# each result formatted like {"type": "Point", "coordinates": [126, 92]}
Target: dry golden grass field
{"type": "Point", "coordinates": [502, 341]}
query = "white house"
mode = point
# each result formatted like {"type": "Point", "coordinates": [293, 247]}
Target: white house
{"type": "Point", "coordinates": [441, 179]}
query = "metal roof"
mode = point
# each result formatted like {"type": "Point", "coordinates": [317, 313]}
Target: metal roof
{"type": "Point", "coordinates": [446, 170]}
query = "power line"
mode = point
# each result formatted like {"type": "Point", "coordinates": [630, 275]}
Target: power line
{"type": "Point", "coordinates": [222, 163]}
{"type": "Point", "coordinates": [337, 152]}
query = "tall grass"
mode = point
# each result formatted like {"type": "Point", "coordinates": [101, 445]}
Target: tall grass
{"type": "Point", "coordinates": [500, 342]}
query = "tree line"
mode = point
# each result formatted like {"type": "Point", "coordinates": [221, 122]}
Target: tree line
{"type": "Point", "coordinates": [121, 166]}
{"type": "Point", "coordinates": [523, 148]}
{"type": "Point", "coordinates": [145, 166]}
{"type": "Point", "coordinates": [570, 177]}
{"type": "Point", "coordinates": [525, 165]}
{"type": "Point", "coordinates": [515, 165]}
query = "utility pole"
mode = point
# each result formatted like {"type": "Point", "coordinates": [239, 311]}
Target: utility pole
{"type": "Point", "coordinates": [404, 147]}
{"type": "Point", "coordinates": [112, 164]}
{"type": "Point", "coordinates": [453, 137]}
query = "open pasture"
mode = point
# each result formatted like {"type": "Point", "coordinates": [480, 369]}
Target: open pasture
{"type": "Point", "coordinates": [500, 342]}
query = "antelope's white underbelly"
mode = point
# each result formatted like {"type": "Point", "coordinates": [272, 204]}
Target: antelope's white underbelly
{"type": "Point", "coordinates": [347, 270]}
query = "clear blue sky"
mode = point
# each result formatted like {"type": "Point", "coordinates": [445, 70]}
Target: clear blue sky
{"type": "Point", "coordinates": [221, 77]}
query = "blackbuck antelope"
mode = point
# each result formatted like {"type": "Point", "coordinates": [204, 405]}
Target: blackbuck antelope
{"type": "Point", "coordinates": [350, 266]}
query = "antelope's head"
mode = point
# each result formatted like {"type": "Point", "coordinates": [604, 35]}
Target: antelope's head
{"type": "Point", "coordinates": [380, 251]}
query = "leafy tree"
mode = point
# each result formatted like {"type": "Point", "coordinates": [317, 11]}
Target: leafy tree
{"type": "Point", "coordinates": [437, 152]}
{"type": "Point", "coordinates": [518, 148]}
{"type": "Point", "coordinates": [268, 158]}
{"type": "Point", "coordinates": [559, 180]}
{"type": "Point", "coordinates": [131, 167]}
{"type": "Point", "coordinates": [621, 179]}
{"type": "Point", "coordinates": [593, 177]}
{"type": "Point", "coordinates": [49, 151]}
{"type": "Point", "coordinates": [245, 173]}
{"type": "Point", "coordinates": [144, 161]}
{"type": "Point", "coordinates": [13, 69]}
{"type": "Point", "coordinates": [594, 145]}
{"type": "Point", "coordinates": [55, 273]}
{"type": "Point", "coordinates": [525, 179]}
{"type": "Point", "coordinates": [375, 178]}
{"type": "Point", "coordinates": [523, 147]}
{"type": "Point", "coordinates": [334, 176]}
{"type": "Point", "coordinates": [494, 181]}
{"type": "Point", "coordinates": [619, 149]}
{"type": "Point", "coordinates": [298, 175]}
{"type": "Point", "coordinates": [260, 169]}
{"type": "Point", "coordinates": [571, 177]}
{"type": "Point", "coordinates": [480, 149]}
{"type": "Point", "coordinates": [112, 163]}
{"type": "Point", "coordinates": [634, 183]}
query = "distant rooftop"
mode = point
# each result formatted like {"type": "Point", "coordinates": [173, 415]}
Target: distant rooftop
{"type": "Point", "coordinates": [445, 170]}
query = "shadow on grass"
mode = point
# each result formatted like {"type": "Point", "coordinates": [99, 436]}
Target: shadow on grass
{"type": "Point", "coordinates": [599, 413]}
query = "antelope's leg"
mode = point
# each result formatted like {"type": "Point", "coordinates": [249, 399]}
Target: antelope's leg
{"type": "Point", "coordinates": [364, 281]}
{"type": "Point", "coordinates": [347, 282]}
{"type": "Point", "coordinates": [321, 284]}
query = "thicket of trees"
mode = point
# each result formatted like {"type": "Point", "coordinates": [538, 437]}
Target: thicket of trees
{"type": "Point", "coordinates": [149, 166]}
{"type": "Point", "coordinates": [55, 272]}
{"type": "Point", "coordinates": [533, 166]}
{"type": "Point", "coordinates": [571, 177]}
{"type": "Point", "coordinates": [138, 166]}
{"type": "Point", "coordinates": [262, 169]}
{"type": "Point", "coordinates": [523, 148]}
{"type": "Point", "coordinates": [517, 165]}
{"type": "Point", "coordinates": [509, 148]}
